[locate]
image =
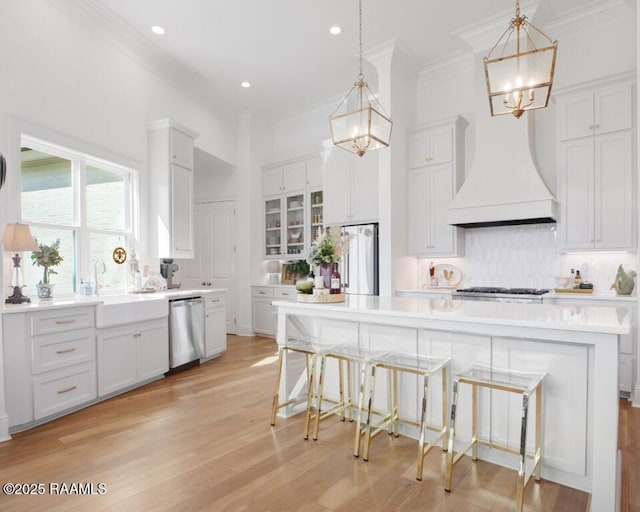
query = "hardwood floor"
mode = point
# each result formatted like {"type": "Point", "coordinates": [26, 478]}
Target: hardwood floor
{"type": "Point", "coordinates": [201, 440]}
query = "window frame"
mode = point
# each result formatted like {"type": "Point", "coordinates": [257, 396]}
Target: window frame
{"type": "Point", "coordinates": [81, 231]}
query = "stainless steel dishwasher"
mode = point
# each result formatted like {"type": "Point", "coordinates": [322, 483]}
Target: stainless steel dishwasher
{"type": "Point", "coordinates": [186, 330]}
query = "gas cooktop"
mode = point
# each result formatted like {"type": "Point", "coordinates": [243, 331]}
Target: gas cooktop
{"type": "Point", "coordinates": [506, 291]}
{"type": "Point", "coordinates": [493, 293]}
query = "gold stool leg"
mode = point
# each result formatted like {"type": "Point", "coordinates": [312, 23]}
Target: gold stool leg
{"type": "Point", "coordinates": [523, 454]}
{"type": "Point", "coordinates": [341, 387]}
{"type": "Point", "coordinates": [423, 424]}
{"type": "Point", "coordinates": [396, 407]}
{"type": "Point", "coordinates": [276, 392]}
{"type": "Point", "coordinates": [359, 428]}
{"type": "Point", "coordinates": [311, 396]}
{"type": "Point", "coordinates": [367, 436]}
{"type": "Point", "coordinates": [538, 430]}
{"type": "Point", "coordinates": [474, 422]}
{"type": "Point", "coordinates": [452, 434]}
{"type": "Point", "coordinates": [323, 364]}
{"type": "Point", "coordinates": [444, 407]}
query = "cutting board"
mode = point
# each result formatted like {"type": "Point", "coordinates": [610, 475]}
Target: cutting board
{"type": "Point", "coordinates": [573, 290]}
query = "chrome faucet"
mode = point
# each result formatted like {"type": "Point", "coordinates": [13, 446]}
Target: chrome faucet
{"type": "Point", "coordinates": [99, 264]}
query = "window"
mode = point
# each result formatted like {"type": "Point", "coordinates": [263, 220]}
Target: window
{"type": "Point", "coordinates": [82, 201]}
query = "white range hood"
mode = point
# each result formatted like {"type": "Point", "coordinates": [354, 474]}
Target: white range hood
{"type": "Point", "coordinates": [503, 185]}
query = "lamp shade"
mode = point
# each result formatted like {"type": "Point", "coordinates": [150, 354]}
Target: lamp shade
{"type": "Point", "coordinates": [273, 267]}
{"type": "Point", "coordinates": [17, 237]}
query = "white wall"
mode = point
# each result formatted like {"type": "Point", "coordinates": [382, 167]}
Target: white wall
{"type": "Point", "coordinates": [64, 84]}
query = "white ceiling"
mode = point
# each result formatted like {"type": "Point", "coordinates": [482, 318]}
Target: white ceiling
{"type": "Point", "coordinates": [283, 46]}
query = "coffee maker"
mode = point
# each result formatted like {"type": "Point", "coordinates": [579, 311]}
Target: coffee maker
{"type": "Point", "coordinates": [167, 268]}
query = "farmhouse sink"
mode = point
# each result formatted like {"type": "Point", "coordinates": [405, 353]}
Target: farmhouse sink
{"type": "Point", "coordinates": [126, 309]}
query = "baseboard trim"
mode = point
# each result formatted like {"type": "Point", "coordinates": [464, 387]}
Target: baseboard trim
{"type": "Point", "coordinates": [4, 428]}
{"type": "Point", "coordinates": [245, 330]}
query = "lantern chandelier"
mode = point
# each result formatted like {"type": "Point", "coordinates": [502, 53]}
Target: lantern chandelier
{"type": "Point", "coordinates": [520, 81]}
{"type": "Point", "coordinates": [360, 124]}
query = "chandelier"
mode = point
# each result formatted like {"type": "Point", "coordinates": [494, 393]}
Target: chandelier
{"type": "Point", "coordinates": [522, 80]}
{"type": "Point", "coordinates": [360, 124]}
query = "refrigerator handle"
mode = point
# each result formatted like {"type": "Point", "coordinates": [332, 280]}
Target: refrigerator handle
{"type": "Point", "coordinates": [345, 264]}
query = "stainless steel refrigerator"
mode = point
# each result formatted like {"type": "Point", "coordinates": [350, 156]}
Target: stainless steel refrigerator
{"type": "Point", "coordinates": [359, 266]}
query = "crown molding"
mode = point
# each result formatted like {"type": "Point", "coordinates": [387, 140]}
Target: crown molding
{"type": "Point", "coordinates": [582, 19]}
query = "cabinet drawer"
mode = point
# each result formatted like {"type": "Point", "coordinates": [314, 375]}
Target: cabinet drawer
{"type": "Point", "coordinates": [60, 320]}
{"type": "Point", "coordinates": [262, 291]}
{"type": "Point", "coordinates": [63, 349]}
{"type": "Point", "coordinates": [62, 389]}
{"type": "Point", "coordinates": [286, 294]}
{"type": "Point", "coordinates": [215, 301]}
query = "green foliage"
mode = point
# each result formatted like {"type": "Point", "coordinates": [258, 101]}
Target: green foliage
{"type": "Point", "coordinates": [299, 267]}
{"type": "Point", "coordinates": [47, 256]}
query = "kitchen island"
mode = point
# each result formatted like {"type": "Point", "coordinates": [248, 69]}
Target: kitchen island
{"type": "Point", "coordinates": [576, 346]}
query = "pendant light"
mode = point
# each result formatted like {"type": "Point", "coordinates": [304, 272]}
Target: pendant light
{"type": "Point", "coordinates": [522, 80]}
{"type": "Point", "coordinates": [360, 124]}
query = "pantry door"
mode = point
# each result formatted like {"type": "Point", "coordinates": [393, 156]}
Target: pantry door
{"type": "Point", "coordinates": [214, 263]}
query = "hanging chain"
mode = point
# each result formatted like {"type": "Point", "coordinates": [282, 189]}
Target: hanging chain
{"type": "Point", "coordinates": [517, 8]}
{"type": "Point", "coordinates": [360, 28]}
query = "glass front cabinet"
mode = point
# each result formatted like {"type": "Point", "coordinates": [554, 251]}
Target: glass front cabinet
{"type": "Point", "coordinates": [293, 211]}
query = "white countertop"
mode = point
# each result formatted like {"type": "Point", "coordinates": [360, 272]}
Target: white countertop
{"type": "Point", "coordinates": [593, 319]}
{"type": "Point", "coordinates": [607, 295]}
{"type": "Point", "coordinates": [66, 302]}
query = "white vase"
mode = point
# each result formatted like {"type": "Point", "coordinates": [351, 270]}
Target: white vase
{"type": "Point", "coordinates": [45, 291]}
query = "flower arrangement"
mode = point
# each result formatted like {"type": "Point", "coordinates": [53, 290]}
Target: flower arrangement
{"type": "Point", "coordinates": [47, 256]}
{"type": "Point", "coordinates": [328, 247]}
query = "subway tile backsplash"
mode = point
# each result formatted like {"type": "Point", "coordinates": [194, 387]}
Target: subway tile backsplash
{"type": "Point", "coordinates": [527, 256]}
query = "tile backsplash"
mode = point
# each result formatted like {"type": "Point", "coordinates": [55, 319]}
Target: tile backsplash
{"type": "Point", "coordinates": [527, 256]}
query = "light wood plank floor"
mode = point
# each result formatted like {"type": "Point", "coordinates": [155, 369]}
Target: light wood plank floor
{"type": "Point", "coordinates": [201, 440]}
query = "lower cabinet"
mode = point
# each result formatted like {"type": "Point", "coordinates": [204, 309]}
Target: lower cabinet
{"type": "Point", "coordinates": [264, 321]}
{"type": "Point", "coordinates": [215, 315]}
{"type": "Point", "coordinates": [131, 354]}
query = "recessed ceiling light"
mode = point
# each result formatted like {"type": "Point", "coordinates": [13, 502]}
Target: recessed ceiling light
{"type": "Point", "coordinates": [245, 84]}
{"type": "Point", "coordinates": [335, 30]}
{"type": "Point", "coordinates": [157, 29]}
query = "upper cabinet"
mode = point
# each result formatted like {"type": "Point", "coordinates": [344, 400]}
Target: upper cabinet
{"type": "Point", "coordinates": [595, 169]}
{"type": "Point", "coordinates": [289, 222]}
{"type": "Point", "coordinates": [594, 112]}
{"type": "Point", "coordinates": [436, 172]}
{"type": "Point", "coordinates": [171, 189]}
{"type": "Point", "coordinates": [350, 187]}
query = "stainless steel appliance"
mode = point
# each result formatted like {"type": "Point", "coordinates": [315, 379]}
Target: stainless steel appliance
{"type": "Point", "coordinates": [167, 269]}
{"type": "Point", "coordinates": [496, 294]}
{"type": "Point", "coordinates": [186, 330]}
{"type": "Point", "coordinates": [359, 266]}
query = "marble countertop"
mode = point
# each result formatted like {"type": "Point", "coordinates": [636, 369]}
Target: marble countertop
{"type": "Point", "coordinates": [593, 319]}
{"type": "Point", "coordinates": [607, 295]}
{"type": "Point", "coordinates": [75, 301]}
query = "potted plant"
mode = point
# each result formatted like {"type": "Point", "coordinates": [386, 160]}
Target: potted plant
{"type": "Point", "coordinates": [327, 249]}
{"type": "Point", "coordinates": [299, 269]}
{"type": "Point", "coordinates": [47, 257]}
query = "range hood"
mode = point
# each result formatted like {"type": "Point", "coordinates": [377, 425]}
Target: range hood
{"type": "Point", "coordinates": [503, 185]}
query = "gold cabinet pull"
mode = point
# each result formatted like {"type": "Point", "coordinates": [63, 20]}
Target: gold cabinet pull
{"type": "Point", "coordinates": [217, 300]}
{"type": "Point", "coordinates": [65, 350]}
{"type": "Point", "coordinates": [62, 391]}
{"type": "Point", "coordinates": [60, 322]}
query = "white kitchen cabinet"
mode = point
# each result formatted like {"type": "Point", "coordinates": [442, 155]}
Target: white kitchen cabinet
{"type": "Point", "coordinates": [584, 113]}
{"type": "Point", "coordinates": [433, 180]}
{"type": "Point", "coordinates": [171, 189]}
{"type": "Point", "coordinates": [131, 355]}
{"type": "Point", "coordinates": [431, 146]}
{"type": "Point", "coordinates": [596, 191]}
{"type": "Point", "coordinates": [264, 321]}
{"type": "Point", "coordinates": [215, 324]}
{"type": "Point", "coordinates": [350, 187]}
{"type": "Point", "coordinates": [49, 363]}
{"type": "Point", "coordinates": [286, 189]}
{"type": "Point", "coordinates": [627, 345]}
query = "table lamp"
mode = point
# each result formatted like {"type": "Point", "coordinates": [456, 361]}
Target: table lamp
{"type": "Point", "coordinates": [17, 238]}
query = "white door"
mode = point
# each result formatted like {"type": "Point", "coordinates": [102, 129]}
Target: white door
{"type": "Point", "coordinates": [214, 262]}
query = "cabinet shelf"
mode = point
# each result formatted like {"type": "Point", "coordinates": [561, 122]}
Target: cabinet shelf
{"type": "Point", "coordinates": [269, 246]}
{"type": "Point", "coordinates": [272, 229]}
{"type": "Point", "coordinates": [315, 224]}
{"type": "Point", "coordinates": [297, 209]}
{"type": "Point", "coordinates": [273, 212]}
{"type": "Point", "coordinates": [317, 205]}
{"type": "Point", "coordinates": [295, 243]}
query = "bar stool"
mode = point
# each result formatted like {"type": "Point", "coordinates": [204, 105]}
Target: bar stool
{"type": "Point", "coordinates": [309, 350]}
{"type": "Point", "coordinates": [512, 381]}
{"type": "Point", "coordinates": [423, 366]}
{"type": "Point", "coordinates": [346, 355]}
